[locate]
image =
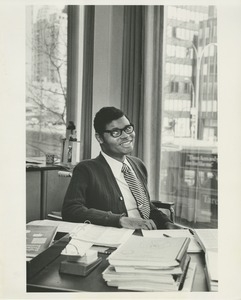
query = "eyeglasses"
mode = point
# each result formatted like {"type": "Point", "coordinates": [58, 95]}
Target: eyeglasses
{"type": "Point", "coordinates": [116, 132]}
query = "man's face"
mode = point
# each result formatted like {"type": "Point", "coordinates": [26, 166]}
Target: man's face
{"type": "Point", "coordinates": [117, 147]}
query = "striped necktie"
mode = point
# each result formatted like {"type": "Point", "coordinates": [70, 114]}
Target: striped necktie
{"type": "Point", "coordinates": [137, 191]}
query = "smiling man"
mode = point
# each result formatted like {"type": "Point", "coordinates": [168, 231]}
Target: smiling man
{"type": "Point", "coordinates": [111, 190]}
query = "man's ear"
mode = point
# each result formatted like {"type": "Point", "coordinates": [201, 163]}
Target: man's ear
{"type": "Point", "coordinates": [99, 138]}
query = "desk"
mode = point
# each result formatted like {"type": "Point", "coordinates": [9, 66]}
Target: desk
{"type": "Point", "coordinates": [50, 280]}
{"type": "Point", "coordinates": [44, 189]}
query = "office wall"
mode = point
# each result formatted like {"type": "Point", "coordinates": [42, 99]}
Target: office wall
{"type": "Point", "coordinates": [107, 61]}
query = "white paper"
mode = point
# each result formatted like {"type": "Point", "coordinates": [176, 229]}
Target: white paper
{"type": "Point", "coordinates": [193, 246]}
{"type": "Point", "coordinates": [208, 238]}
{"type": "Point", "coordinates": [76, 248]}
{"type": "Point", "coordinates": [212, 264]}
{"type": "Point", "coordinates": [101, 235]}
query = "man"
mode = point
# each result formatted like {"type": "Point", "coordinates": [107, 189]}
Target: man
{"type": "Point", "coordinates": [111, 190]}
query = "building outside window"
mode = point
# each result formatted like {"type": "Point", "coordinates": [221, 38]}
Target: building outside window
{"type": "Point", "coordinates": [46, 79]}
{"type": "Point", "coordinates": [189, 169]}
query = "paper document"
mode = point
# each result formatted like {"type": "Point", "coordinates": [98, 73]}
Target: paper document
{"type": "Point", "coordinates": [142, 251]}
{"type": "Point", "coordinates": [101, 235]}
{"type": "Point", "coordinates": [212, 264]}
{"type": "Point", "coordinates": [193, 247]}
{"type": "Point", "coordinates": [207, 238]}
{"type": "Point", "coordinates": [76, 248]}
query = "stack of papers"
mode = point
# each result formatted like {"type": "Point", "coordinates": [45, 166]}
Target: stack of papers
{"type": "Point", "coordinates": [149, 264]}
{"type": "Point", "coordinates": [208, 240]}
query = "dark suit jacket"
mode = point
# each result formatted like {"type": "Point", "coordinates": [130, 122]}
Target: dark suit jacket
{"type": "Point", "coordinates": [94, 195]}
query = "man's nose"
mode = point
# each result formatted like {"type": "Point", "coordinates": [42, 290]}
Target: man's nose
{"type": "Point", "coordinates": [124, 134]}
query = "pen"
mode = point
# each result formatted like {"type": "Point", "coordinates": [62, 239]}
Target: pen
{"type": "Point", "coordinates": [191, 231]}
{"type": "Point", "coordinates": [166, 235]}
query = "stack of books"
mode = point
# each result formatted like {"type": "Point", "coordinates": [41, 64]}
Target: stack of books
{"type": "Point", "coordinates": [148, 264]}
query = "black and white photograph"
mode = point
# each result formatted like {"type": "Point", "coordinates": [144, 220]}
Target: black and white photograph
{"type": "Point", "coordinates": [120, 128]}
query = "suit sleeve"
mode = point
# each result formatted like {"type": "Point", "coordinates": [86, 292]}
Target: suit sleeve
{"type": "Point", "coordinates": [159, 218]}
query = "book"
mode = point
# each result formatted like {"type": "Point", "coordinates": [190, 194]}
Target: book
{"type": "Point", "coordinates": [110, 274]}
{"type": "Point", "coordinates": [154, 270]}
{"type": "Point", "coordinates": [193, 247]}
{"type": "Point", "coordinates": [146, 252]}
{"type": "Point", "coordinates": [38, 239]}
{"type": "Point", "coordinates": [147, 282]}
{"type": "Point", "coordinates": [143, 286]}
{"type": "Point", "coordinates": [149, 270]}
{"type": "Point", "coordinates": [39, 262]}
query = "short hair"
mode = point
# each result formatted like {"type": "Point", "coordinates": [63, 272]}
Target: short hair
{"type": "Point", "coordinates": [105, 116]}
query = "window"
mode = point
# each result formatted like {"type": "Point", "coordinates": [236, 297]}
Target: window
{"type": "Point", "coordinates": [207, 32]}
{"type": "Point", "coordinates": [174, 32]}
{"type": "Point", "coordinates": [189, 168]}
{"type": "Point", "coordinates": [174, 87]}
{"type": "Point", "coordinates": [46, 79]}
{"type": "Point", "coordinates": [187, 88]}
{"type": "Point", "coordinates": [213, 69]}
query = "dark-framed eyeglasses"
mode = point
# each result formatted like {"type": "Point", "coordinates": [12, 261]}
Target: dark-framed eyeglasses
{"type": "Point", "coordinates": [116, 132]}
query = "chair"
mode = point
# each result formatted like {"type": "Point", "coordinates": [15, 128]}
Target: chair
{"type": "Point", "coordinates": [166, 205]}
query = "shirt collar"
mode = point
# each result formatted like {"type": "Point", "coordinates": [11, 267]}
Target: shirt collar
{"type": "Point", "coordinates": [114, 164]}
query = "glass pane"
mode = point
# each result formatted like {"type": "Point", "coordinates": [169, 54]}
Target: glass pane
{"type": "Point", "coordinates": [189, 174]}
{"type": "Point", "coordinates": [46, 79]}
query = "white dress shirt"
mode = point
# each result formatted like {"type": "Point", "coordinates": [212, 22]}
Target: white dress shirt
{"type": "Point", "coordinates": [129, 199]}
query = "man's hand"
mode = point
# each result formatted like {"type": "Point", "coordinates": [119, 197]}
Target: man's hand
{"type": "Point", "coordinates": [170, 225]}
{"type": "Point", "coordinates": [135, 223]}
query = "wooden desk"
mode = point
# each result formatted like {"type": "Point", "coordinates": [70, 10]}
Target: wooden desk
{"type": "Point", "coordinates": [50, 280]}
